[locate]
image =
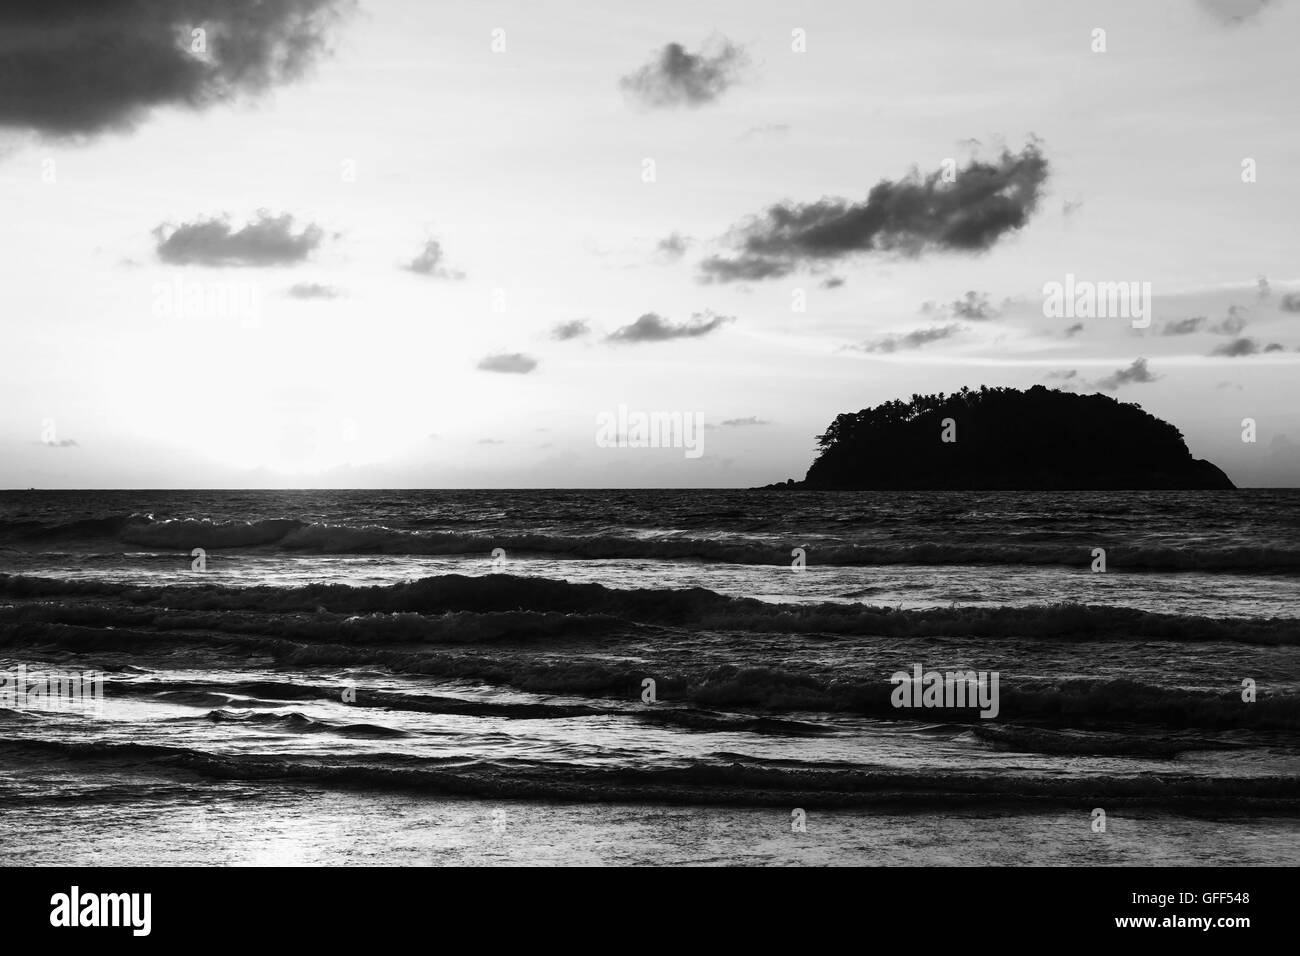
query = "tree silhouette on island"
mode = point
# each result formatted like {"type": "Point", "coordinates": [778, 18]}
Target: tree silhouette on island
{"type": "Point", "coordinates": [1005, 439]}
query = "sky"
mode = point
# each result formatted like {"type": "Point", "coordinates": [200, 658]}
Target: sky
{"type": "Point", "coordinates": [389, 243]}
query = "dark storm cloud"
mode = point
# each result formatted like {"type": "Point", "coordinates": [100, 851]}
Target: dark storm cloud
{"type": "Point", "coordinates": [1290, 302]}
{"type": "Point", "coordinates": [313, 290]}
{"type": "Point", "coordinates": [570, 330]}
{"type": "Point", "coordinates": [1135, 374]}
{"type": "Point", "coordinates": [911, 340]}
{"type": "Point", "coordinates": [515, 363]}
{"type": "Point", "coordinates": [267, 241]}
{"type": "Point", "coordinates": [655, 328]}
{"type": "Point", "coordinates": [70, 67]}
{"type": "Point", "coordinates": [1074, 330]}
{"type": "Point", "coordinates": [678, 78]}
{"type": "Point", "coordinates": [429, 263]}
{"type": "Point", "coordinates": [909, 216]}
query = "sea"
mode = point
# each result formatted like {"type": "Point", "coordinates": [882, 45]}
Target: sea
{"type": "Point", "coordinates": [649, 677]}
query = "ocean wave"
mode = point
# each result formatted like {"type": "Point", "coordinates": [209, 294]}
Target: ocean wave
{"type": "Point", "coordinates": [232, 699]}
{"type": "Point", "coordinates": [298, 722]}
{"type": "Point", "coordinates": [457, 608]}
{"type": "Point", "coordinates": [291, 534]}
{"type": "Point", "coordinates": [555, 638]}
{"type": "Point", "coordinates": [1073, 702]}
{"type": "Point", "coordinates": [1092, 743]}
{"type": "Point", "coordinates": [738, 783]}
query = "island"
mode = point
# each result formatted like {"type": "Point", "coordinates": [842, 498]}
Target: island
{"type": "Point", "coordinates": [1005, 439]}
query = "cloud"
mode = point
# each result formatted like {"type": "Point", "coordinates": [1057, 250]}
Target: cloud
{"type": "Point", "coordinates": [673, 247]}
{"type": "Point", "coordinates": [515, 363]}
{"type": "Point", "coordinates": [313, 290]}
{"type": "Point", "coordinates": [79, 69]}
{"type": "Point", "coordinates": [744, 422]}
{"type": "Point", "coordinates": [1070, 207]}
{"type": "Point", "coordinates": [655, 328]}
{"type": "Point", "coordinates": [490, 441]}
{"type": "Point", "coordinates": [429, 263]}
{"type": "Point", "coordinates": [1184, 326]}
{"type": "Point", "coordinates": [912, 340]}
{"type": "Point", "coordinates": [564, 331]}
{"type": "Point", "coordinates": [1232, 325]}
{"type": "Point", "coordinates": [1064, 375]}
{"type": "Point", "coordinates": [1262, 289]}
{"type": "Point", "coordinates": [1229, 385]}
{"type": "Point", "coordinates": [1074, 330]}
{"type": "Point", "coordinates": [1290, 302]}
{"type": "Point", "coordinates": [267, 241]}
{"type": "Point", "coordinates": [678, 78]}
{"type": "Point", "coordinates": [975, 306]}
{"type": "Point", "coordinates": [909, 216]}
{"type": "Point", "coordinates": [743, 269]}
{"type": "Point", "coordinates": [1237, 348]}
{"type": "Point", "coordinates": [1135, 374]}
{"type": "Point", "coordinates": [60, 443]}
{"type": "Point", "coordinates": [1274, 347]}
{"type": "Point", "coordinates": [770, 129]}
{"type": "Point", "coordinates": [834, 282]}
{"type": "Point", "coordinates": [1233, 12]}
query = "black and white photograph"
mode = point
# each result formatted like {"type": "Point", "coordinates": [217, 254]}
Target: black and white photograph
{"type": "Point", "coordinates": [679, 434]}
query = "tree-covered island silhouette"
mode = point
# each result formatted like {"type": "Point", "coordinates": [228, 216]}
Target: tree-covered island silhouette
{"type": "Point", "coordinates": [1005, 439]}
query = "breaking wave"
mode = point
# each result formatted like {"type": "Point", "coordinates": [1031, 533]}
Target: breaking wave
{"type": "Point", "coordinates": [456, 608]}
